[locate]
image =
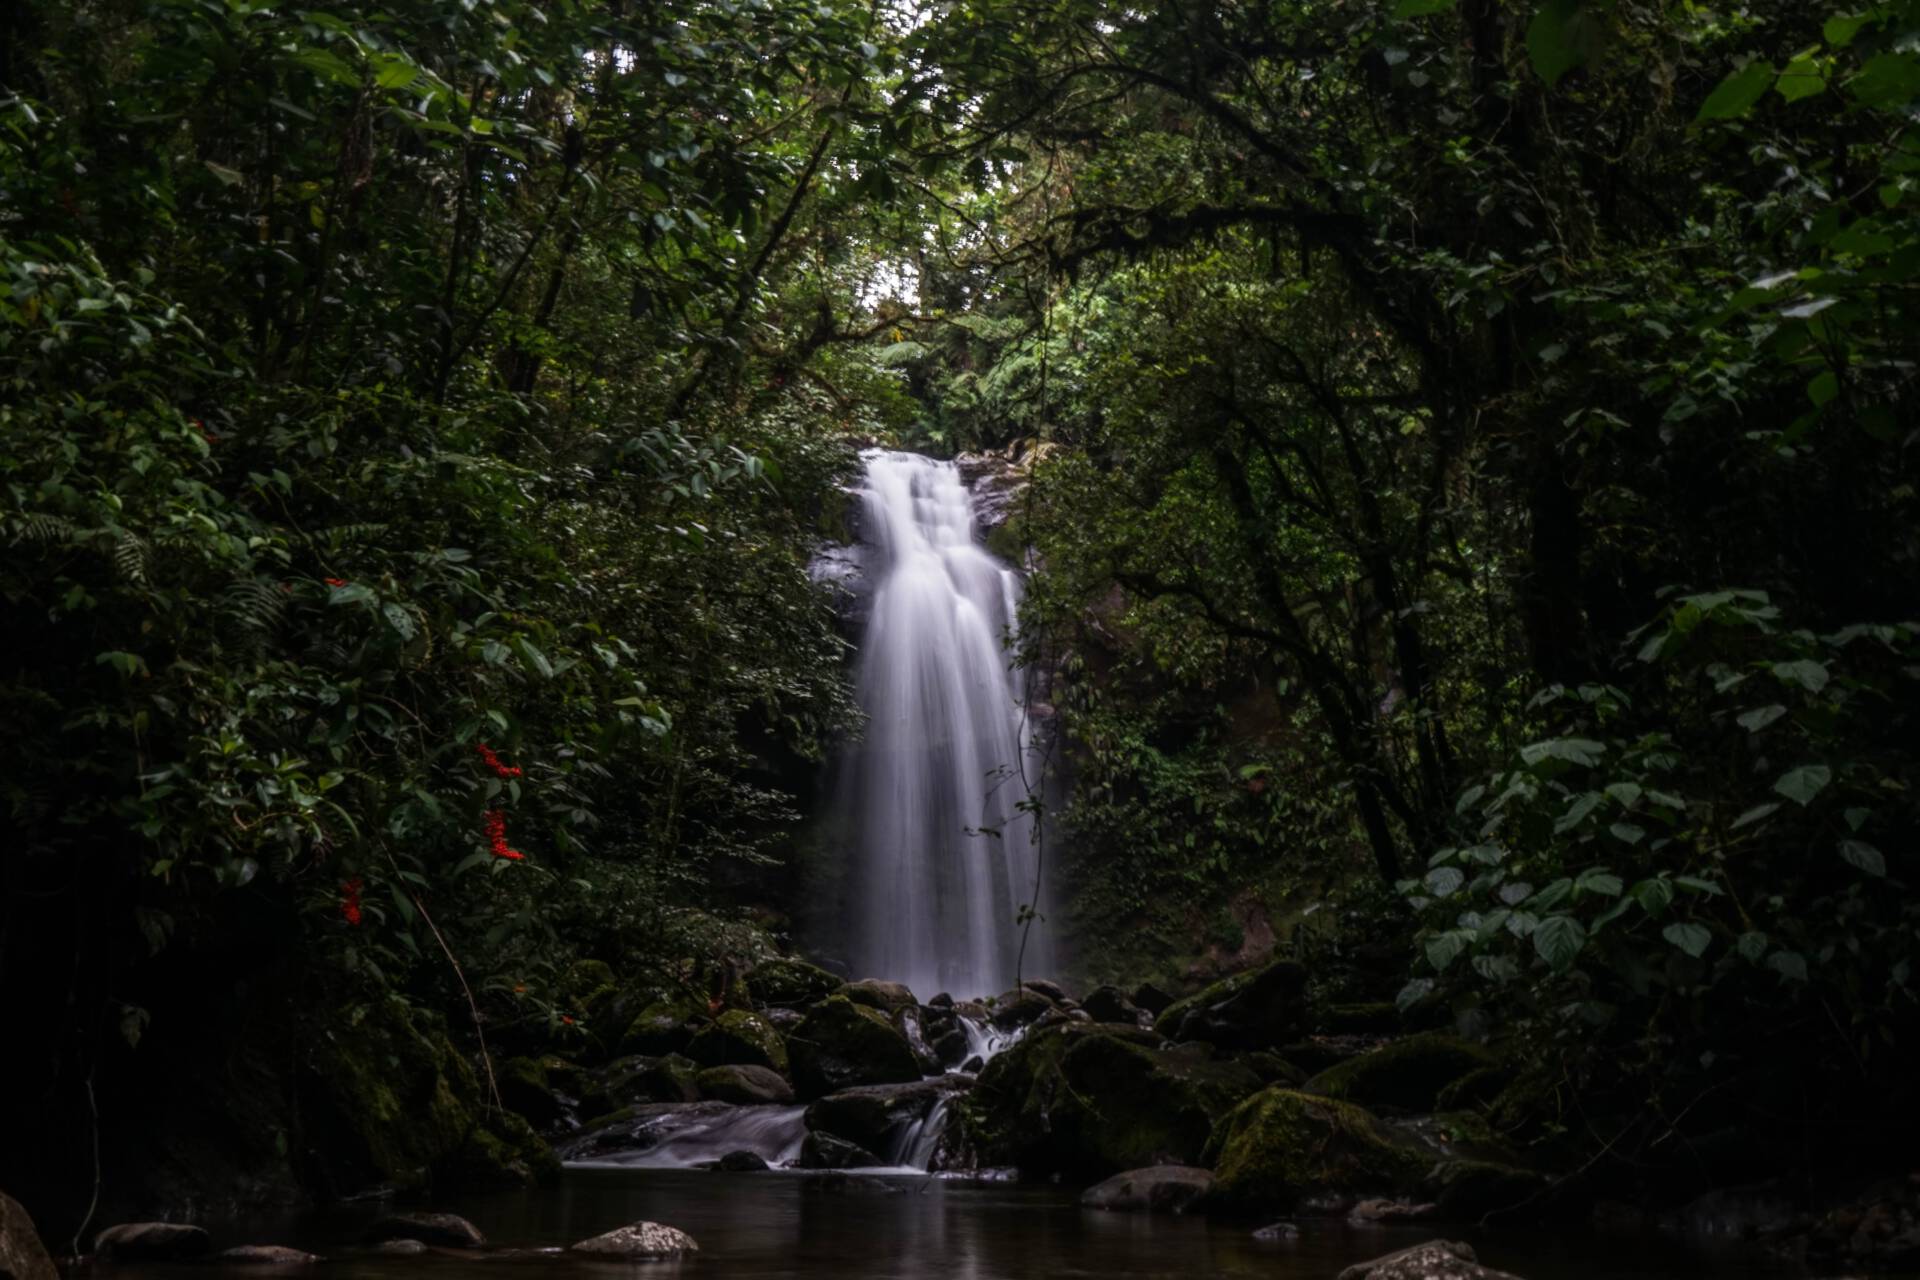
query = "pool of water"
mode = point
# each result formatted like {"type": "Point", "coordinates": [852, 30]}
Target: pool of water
{"type": "Point", "coordinates": [772, 1226]}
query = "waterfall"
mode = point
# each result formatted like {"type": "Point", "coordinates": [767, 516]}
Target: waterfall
{"type": "Point", "coordinates": [943, 856]}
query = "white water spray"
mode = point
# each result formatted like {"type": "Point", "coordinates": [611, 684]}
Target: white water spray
{"type": "Point", "coordinates": [943, 852]}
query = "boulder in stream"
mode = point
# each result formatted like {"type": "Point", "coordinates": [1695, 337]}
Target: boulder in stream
{"type": "Point", "coordinates": [873, 1115]}
{"type": "Point", "coordinates": [738, 1037]}
{"type": "Point", "coordinates": [639, 1242]}
{"type": "Point", "coordinates": [22, 1255]}
{"type": "Point", "coordinates": [747, 1085]}
{"type": "Point", "coordinates": [1160, 1188]}
{"type": "Point", "coordinates": [448, 1230]}
{"type": "Point", "coordinates": [152, 1242]}
{"type": "Point", "coordinates": [842, 1044]}
{"type": "Point", "coordinates": [1017, 1009]}
{"type": "Point", "coordinates": [791, 983]}
{"type": "Point", "coordinates": [741, 1162]}
{"type": "Point", "coordinates": [1258, 1009]}
{"type": "Point", "coordinates": [824, 1151]}
{"type": "Point", "coordinates": [1409, 1072]}
{"type": "Point", "coordinates": [401, 1248]}
{"type": "Point", "coordinates": [1434, 1260]}
{"type": "Point", "coordinates": [1110, 1004]}
{"type": "Point", "coordinates": [665, 1026]}
{"type": "Point", "coordinates": [1094, 1098]}
{"type": "Point", "coordinates": [1281, 1145]}
{"type": "Point", "coordinates": [884, 996]}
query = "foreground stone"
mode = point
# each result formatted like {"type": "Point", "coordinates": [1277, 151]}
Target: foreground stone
{"type": "Point", "coordinates": [265, 1255]}
{"type": "Point", "coordinates": [791, 982]}
{"type": "Point", "coordinates": [400, 1248]}
{"type": "Point", "coordinates": [745, 1085]}
{"type": "Point", "coordinates": [1434, 1260]}
{"type": "Point", "coordinates": [884, 996]}
{"type": "Point", "coordinates": [448, 1230]}
{"type": "Point", "coordinates": [1163, 1188]}
{"type": "Point", "coordinates": [152, 1242]}
{"type": "Point", "coordinates": [22, 1255]}
{"type": "Point", "coordinates": [1281, 1145]}
{"type": "Point", "coordinates": [638, 1242]}
{"type": "Point", "coordinates": [871, 1115]}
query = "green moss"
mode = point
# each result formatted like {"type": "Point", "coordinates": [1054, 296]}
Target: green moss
{"type": "Point", "coordinates": [1371, 1018]}
{"type": "Point", "coordinates": [739, 1038]}
{"type": "Point", "coordinates": [840, 1044]}
{"type": "Point", "coordinates": [1409, 1072]}
{"type": "Point", "coordinates": [665, 1026]}
{"type": "Point", "coordinates": [1468, 1190]}
{"type": "Point", "coordinates": [394, 1102]}
{"type": "Point", "coordinates": [791, 983]}
{"type": "Point", "coordinates": [1281, 1144]}
{"type": "Point", "coordinates": [1474, 1089]}
{"type": "Point", "coordinates": [1259, 1009]}
{"type": "Point", "coordinates": [1092, 1099]}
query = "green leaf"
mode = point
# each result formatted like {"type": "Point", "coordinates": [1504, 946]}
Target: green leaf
{"type": "Point", "coordinates": [1864, 856]}
{"type": "Point", "coordinates": [1801, 79]}
{"type": "Point", "coordinates": [1564, 34]}
{"type": "Point", "coordinates": [1595, 880]}
{"type": "Point", "coordinates": [1755, 814]}
{"type": "Point", "coordinates": [1822, 388]}
{"type": "Point", "coordinates": [1760, 717]}
{"type": "Point", "coordinates": [1808, 674]}
{"type": "Point", "coordinates": [1790, 965]}
{"type": "Point", "coordinates": [1558, 940]}
{"type": "Point", "coordinates": [1444, 949]}
{"type": "Point", "coordinates": [1444, 882]}
{"type": "Point", "coordinates": [1751, 946]}
{"type": "Point", "coordinates": [1690, 938]}
{"type": "Point", "coordinates": [1582, 751]}
{"type": "Point", "coordinates": [1699, 884]}
{"type": "Point", "coordinates": [1421, 8]}
{"type": "Point", "coordinates": [1654, 895]}
{"type": "Point", "coordinates": [1803, 784]}
{"type": "Point", "coordinates": [1888, 80]}
{"type": "Point", "coordinates": [1737, 93]}
{"type": "Point", "coordinates": [1839, 32]}
{"type": "Point", "coordinates": [1413, 993]}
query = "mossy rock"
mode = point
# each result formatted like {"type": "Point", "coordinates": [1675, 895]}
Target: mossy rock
{"type": "Point", "coordinates": [1408, 1073]}
{"type": "Point", "coordinates": [739, 1038]}
{"type": "Point", "coordinates": [670, 1078]}
{"type": "Point", "coordinates": [873, 1114]}
{"type": "Point", "coordinates": [1469, 1190]}
{"type": "Point", "coordinates": [531, 1087]}
{"type": "Point", "coordinates": [392, 1101]}
{"type": "Point", "coordinates": [1093, 1099]}
{"type": "Point", "coordinates": [840, 1044]}
{"type": "Point", "coordinates": [1259, 1009]}
{"type": "Point", "coordinates": [1274, 1069]}
{"type": "Point", "coordinates": [1281, 1144]}
{"type": "Point", "coordinates": [744, 1085]}
{"type": "Point", "coordinates": [791, 983]}
{"type": "Point", "coordinates": [1475, 1089]}
{"type": "Point", "coordinates": [888, 997]}
{"type": "Point", "coordinates": [665, 1026]}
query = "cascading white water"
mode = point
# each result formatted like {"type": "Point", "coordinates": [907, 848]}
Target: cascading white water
{"type": "Point", "coordinates": [943, 851]}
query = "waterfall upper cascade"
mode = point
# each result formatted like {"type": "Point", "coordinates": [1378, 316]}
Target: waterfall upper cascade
{"type": "Point", "coordinates": [943, 853]}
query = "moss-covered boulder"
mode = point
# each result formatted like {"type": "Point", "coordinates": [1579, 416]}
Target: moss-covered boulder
{"type": "Point", "coordinates": [1469, 1190]}
{"type": "Point", "coordinates": [1281, 1144]}
{"type": "Point", "coordinates": [665, 1026]}
{"type": "Point", "coordinates": [1409, 1073]}
{"type": "Point", "coordinates": [888, 997]}
{"type": "Point", "coordinates": [1093, 1099]}
{"type": "Point", "coordinates": [392, 1101]}
{"type": "Point", "coordinates": [874, 1115]}
{"type": "Point", "coordinates": [1372, 1018]}
{"type": "Point", "coordinates": [640, 1079]}
{"type": "Point", "coordinates": [1260, 1009]}
{"type": "Point", "coordinates": [739, 1037]}
{"type": "Point", "coordinates": [841, 1044]}
{"type": "Point", "coordinates": [791, 983]}
{"type": "Point", "coordinates": [532, 1087]}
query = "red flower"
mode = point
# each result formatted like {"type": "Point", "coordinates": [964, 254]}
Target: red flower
{"type": "Point", "coordinates": [350, 899]}
{"type": "Point", "coordinates": [493, 761]}
{"type": "Point", "coordinates": [335, 582]}
{"type": "Point", "coordinates": [497, 836]}
{"type": "Point", "coordinates": [564, 1018]}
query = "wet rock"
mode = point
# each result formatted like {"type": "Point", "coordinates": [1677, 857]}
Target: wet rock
{"type": "Point", "coordinates": [884, 996]}
{"type": "Point", "coordinates": [1051, 990]}
{"type": "Point", "coordinates": [1259, 1009]}
{"type": "Point", "coordinates": [738, 1037]}
{"type": "Point", "coordinates": [974, 1065]}
{"type": "Point", "coordinates": [842, 1044]}
{"type": "Point", "coordinates": [1110, 1004]}
{"type": "Point", "coordinates": [741, 1162]}
{"type": "Point", "coordinates": [824, 1151]}
{"type": "Point", "coordinates": [1151, 998]}
{"type": "Point", "coordinates": [941, 1001]}
{"type": "Point", "coordinates": [22, 1255]}
{"type": "Point", "coordinates": [401, 1248]}
{"type": "Point", "coordinates": [152, 1242]}
{"type": "Point", "coordinates": [783, 1018]}
{"type": "Point", "coordinates": [945, 1035]}
{"type": "Point", "coordinates": [639, 1242]}
{"type": "Point", "coordinates": [871, 1115]}
{"type": "Point", "coordinates": [266, 1255]}
{"type": "Point", "coordinates": [1474, 1089]}
{"type": "Point", "coordinates": [748, 1085]}
{"type": "Point", "coordinates": [1018, 1008]}
{"type": "Point", "coordinates": [527, 1086]}
{"type": "Point", "coordinates": [448, 1230]}
{"type": "Point", "coordinates": [1281, 1145]}
{"type": "Point", "coordinates": [1098, 1098]}
{"type": "Point", "coordinates": [1434, 1260]}
{"type": "Point", "coordinates": [911, 1024]}
{"type": "Point", "coordinates": [1277, 1231]}
{"type": "Point", "coordinates": [1408, 1073]}
{"type": "Point", "coordinates": [1162, 1188]}
{"type": "Point", "coordinates": [635, 1081]}
{"type": "Point", "coordinates": [1274, 1069]}
{"type": "Point", "coordinates": [665, 1026]}
{"type": "Point", "coordinates": [791, 983]}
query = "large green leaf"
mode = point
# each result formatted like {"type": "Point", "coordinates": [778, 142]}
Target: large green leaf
{"type": "Point", "coordinates": [1558, 940]}
{"type": "Point", "coordinates": [1736, 94]}
{"type": "Point", "coordinates": [1564, 34]}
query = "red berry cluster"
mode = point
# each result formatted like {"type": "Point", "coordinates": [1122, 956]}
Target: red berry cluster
{"type": "Point", "coordinates": [493, 762]}
{"type": "Point", "coordinates": [335, 582]}
{"type": "Point", "coordinates": [350, 899]}
{"type": "Point", "coordinates": [497, 836]}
